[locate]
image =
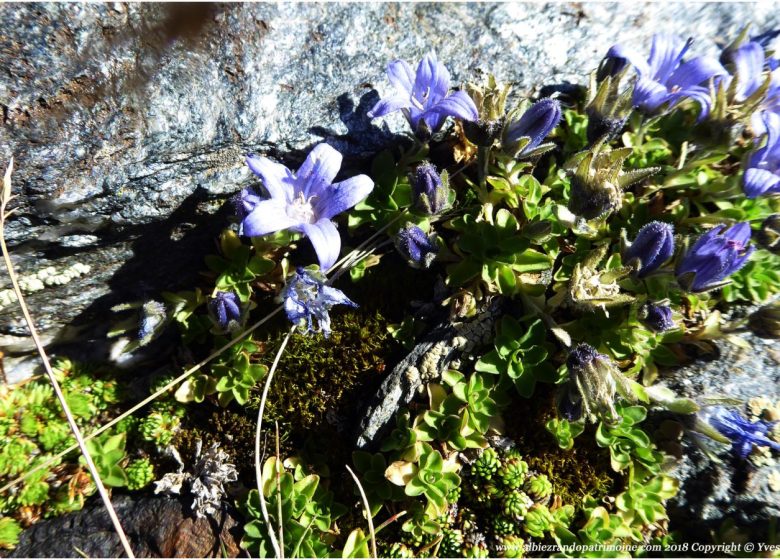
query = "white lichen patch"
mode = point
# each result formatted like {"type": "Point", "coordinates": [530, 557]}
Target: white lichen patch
{"type": "Point", "coordinates": [762, 456]}
{"type": "Point", "coordinates": [774, 433]}
{"type": "Point", "coordinates": [762, 408]}
{"type": "Point", "coordinates": [774, 481]}
{"type": "Point", "coordinates": [46, 277]}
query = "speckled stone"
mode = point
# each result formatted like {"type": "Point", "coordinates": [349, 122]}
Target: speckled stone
{"type": "Point", "coordinates": [717, 486]}
{"type": "Point", "coordinates": [129, 134]}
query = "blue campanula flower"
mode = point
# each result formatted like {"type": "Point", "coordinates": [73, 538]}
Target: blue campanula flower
{"type": "Point", "coordinates": [225, 307]}
{"type": "Point", "coordinates": [664, 78]}
{"type": "Point", "coordinates": [417, 247]}
{"type": "Point", "coordinates": [749, 62]}
{"type": "Point", "coordinates": [536, 123]}
{"type": "Point", "coordinates": [424, 97]}
{"type": "Point", "coordinates": [431, 194]}
{"type": "Point", "coordinates": [304, 202]}
{"type": "Point", "coordinates": [762, 172]}
{"type": "Point", "coordinates": [743, 433]}
{"type": "Point", "coordinates": [658, 317]}
{"type": "Point", "coordinates": [653, 246]}
{"type": "Point", "coordinates": [715, 255]}
{"type": "Point", "coordinates": [307, 297]}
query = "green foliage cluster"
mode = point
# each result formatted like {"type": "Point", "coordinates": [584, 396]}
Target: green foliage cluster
{"type": "Point", "coordinates": [308, 514]}
{"type": "Point", "coordinates": [34, 428]}
{"type": "Point", "coordinates": [543, 231]}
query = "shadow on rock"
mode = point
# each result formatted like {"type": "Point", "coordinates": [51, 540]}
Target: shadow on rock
{"type": "Point", "coordinates": [166, 256]}
{"type": "Point", "coordinates": [363, 137]}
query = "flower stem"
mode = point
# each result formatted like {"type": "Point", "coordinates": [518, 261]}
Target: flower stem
{"type": "Point", "coordinates": [82, 444]}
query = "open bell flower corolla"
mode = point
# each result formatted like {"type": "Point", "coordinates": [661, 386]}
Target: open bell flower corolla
{"type": "Point", "coordinates": [305, 201]}
{"type": "Point", "coordinates": [424, 96]}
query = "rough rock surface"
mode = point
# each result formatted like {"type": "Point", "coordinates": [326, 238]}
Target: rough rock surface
{"type": "Point", "coordinates": [728, 488]}
{"type": "Point", "coordinates": [128, 124]}
{"type": "Point", "coordinates": [156, 527]}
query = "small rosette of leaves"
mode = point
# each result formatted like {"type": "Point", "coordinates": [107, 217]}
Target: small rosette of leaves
{"type": "Point", "coordinates": [520, 354]}
{"type": "Point", "coordinates": [494, 252]}
{"type": "Point", "coordinates": [627, 442]}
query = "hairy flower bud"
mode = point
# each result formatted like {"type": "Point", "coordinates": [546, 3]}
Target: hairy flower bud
{"type": "Point", "coordinates": [653, 246]}
{"type": "Point", "coordinates": [490, 100]}
{"type": "Point", "coordinates": [430, 190]}
{"type": "Point", "coordinates": [598, 180]}
{"type": "Point", "coordinates": [534, 125]}
{"type": "Point", "coordinates": [596, 379]}
{"type": "Point", "coordinates": [657, 317]}
{"type": "Point", "coordinates": [225, 309]}
{"type": "Point", "coordinates": [716, 255]}
{"type": "Point", "coordinates": [416, 247]}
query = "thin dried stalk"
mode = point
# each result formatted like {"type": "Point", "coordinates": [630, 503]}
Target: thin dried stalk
{"type": "Point", "coordinates": [4, 199]}
{"type": "Point", "coordinates": [258, 464]}
{"type": "Point", "coordinates": [279, 490]}
{"type": "Point", "coordinates": [367, 507]}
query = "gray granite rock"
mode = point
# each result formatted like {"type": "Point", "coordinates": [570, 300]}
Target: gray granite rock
{"type": "Point", "coordinates": [716, 485]}
{"type": "Point", "coordinates": [129, 125]}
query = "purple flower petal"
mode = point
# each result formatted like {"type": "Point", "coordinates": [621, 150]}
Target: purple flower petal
{"type": "Point", "coordinates": [318, 171]}
{"type": "Point", "coordinates": [401, 77]}
{"type": "Point", "coordinates": [459, 105]}
{"type": "Point", "coordinates": [696, 71]}
{"type": "Point", "coordinates": [267, 217]}
{"type": "Point", "coordinates": [636, 59]}
{"type": "Point", "coordinates": [432, 80]}
{"type": "Point", "coordinates": [277, 179]}
{"type": "Point", "coordinates": [326, 241]}
{"type": "Point", "coordinates": [757, 182]}
{"type": "Point", "coordinates": [389, 105]}
{"type": "Point", "coordinates": [699, 94]}
{"type": "Point", "coordinates": [343, 196]}
{"type": "Point", "coordinates": [649, 94]}
{"type": "Point", "coordinates": [715, 255]}
{"type": "Point", "coordinates": [749, 65]}
{"type": "Point", "coordinates": [739, 234]}
{"type": "Point", "coordinates": [666, 53]}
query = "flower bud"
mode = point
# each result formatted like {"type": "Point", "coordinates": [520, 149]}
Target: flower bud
{"type": "Point", "coordinates": [534, 125]}
{"type": "Point", "coordinates": [716, 255]}
{"type": "Point", "coordinates": [598, 180]}
{"type": "Point", "coordinates": [490, 101]}
{"type": "Point", "coordinates": [653, 246]}
{"type": "Point", "coordinates": [657, 317]}
{"type": "Point", "coordinates": [430, 190]}
{"type": "Point", "coordinates": [769, 234]}
{"type": "Point", "coordinates": [597, 379]}
{"type": "Point", "coordinates": [416, 247]}
{"type": "Point", "coordinates": [225, 309]}
{"type": "Point", "coordinates": [765, 322]}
